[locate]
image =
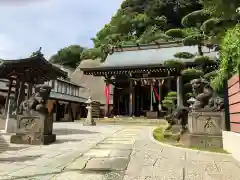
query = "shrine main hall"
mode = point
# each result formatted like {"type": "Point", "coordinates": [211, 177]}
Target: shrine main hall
{"type": "Point", "coordinates": [140, 78]}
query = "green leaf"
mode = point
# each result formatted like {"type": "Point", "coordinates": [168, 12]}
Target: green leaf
{"type": "Point", "coordinates": [174, 63]}
{"type": "Point", "coordinates": [195, 18]}
{"type": "Point", "coordinates": [184, 55]}
{"type": "Point", "coordinates": [176, 33]}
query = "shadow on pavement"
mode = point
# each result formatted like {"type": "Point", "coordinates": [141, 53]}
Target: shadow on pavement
{"type": "Point", "coordinates": [4, 145]}
{"type": "Point", "coordinates": [72, 131]}
{"type": "Point", "coordinates": [38, 176]}
{"type": "Point", "coordinates": [19, 159]}
{"type": "Point", "coordinates": [60, 141]}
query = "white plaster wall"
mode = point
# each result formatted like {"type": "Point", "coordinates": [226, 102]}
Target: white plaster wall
{"type": "Point", "coordinates": [231, 143]}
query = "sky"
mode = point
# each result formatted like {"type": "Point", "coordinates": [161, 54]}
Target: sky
{"type": "Point", "coordinates": [26, 25]}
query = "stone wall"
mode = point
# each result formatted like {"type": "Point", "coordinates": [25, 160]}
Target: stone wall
{"type": "Point", "coordinates": [234, 103]}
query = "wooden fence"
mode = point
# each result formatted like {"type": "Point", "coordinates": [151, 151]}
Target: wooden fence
{"type": "Point", "coordinates": [234, 103]}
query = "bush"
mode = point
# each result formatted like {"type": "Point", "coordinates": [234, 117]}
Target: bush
{"type": "Point", "coordinates": [195, 18]}
{"type": "Point", "coordinates": [210, 25]}
{"type": "Point", "coordinates": [193, 40]}
{"type": "Point", "coordinates": [189, 74]}
{"type": "Point", "coordinates": [174, 63]}
{"type": "Point", "coordinates": [211, 75]}
{"type": "Point", "coordinates": [230, 58]}
{"type": "Point", "coordinates": [176, 33]}
{"type": "Point", "coordinates": [184, 55]}
{"type": "Point", "coordinates": [203, 60]}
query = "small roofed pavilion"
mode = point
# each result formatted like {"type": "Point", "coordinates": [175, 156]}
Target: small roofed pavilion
{"type": "Point", "coordinates": [138, 71]}
{"type": "Point", "coordinates": [25, 73]}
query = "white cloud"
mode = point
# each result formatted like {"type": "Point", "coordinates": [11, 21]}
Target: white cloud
{"type": "Point", "coordinates": [51, 24]}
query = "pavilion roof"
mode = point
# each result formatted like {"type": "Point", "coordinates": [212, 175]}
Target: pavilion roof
{"type": "Point", "coordinates": [34, 69]}
{"type": "Point", "coordinates": [145, 56]}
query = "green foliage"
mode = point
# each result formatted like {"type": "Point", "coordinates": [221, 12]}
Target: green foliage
{"type": "Point", "coordinates": [193, 40]}
{"type": "Point", "coordinates": [184, 55]}
{"type": "Point", "coordinates": [174, 63]}
{"type": "Point", "coordinates": [203, 60]}
{"type": "Point", "coordinates": [176, 33]}
{"type": "Point", "coordinates": [140, 21]}
{"type": "Point", "coordinates": [229, 57]}
{"type": "Point", "coordinates": [169, 101]}
{"type": "Point", "coordinates": [168, 104]}
{"type": "Point", "coordinates": [222, 8]}
{"type": "Point", "coordinates": [191, 73]}
{"type": "Point", "coordinates": [92, 53]}
{"type": "Point", "coordinates": [152, 34]}
{"type": "Point", "coordinates": [188, 95]}
{"type": "Point", "coordinates": [68, 56]}
{"type": "Point", "coordinates": [195, 18]}
{"type": "Point", "coordinates": [209, 76]}
{"type": "Point", "coordinates": [209, 26]}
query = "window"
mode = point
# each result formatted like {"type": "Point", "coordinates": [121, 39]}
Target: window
{"type": "Point", "coordinates": [55, 85]}
{"type": "Point", "coordinates": [59, 87]}
{"type": "Point", "coordinates": [77, 91]}
{"type": "Point", "coordinates": [65, 88]}
{"type": "Point", "coordinates": [68, 89]}
{"type": "Point", "coordinates": [72, 90]}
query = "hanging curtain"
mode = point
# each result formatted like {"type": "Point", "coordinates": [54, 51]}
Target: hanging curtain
{"type": "Point", "coordinates": [107, 93]}
{"type": "Point", "coordinates": [154, 97]}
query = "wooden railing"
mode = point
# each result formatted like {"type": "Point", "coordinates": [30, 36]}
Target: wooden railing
{"type": "Point", "coordinates": [234, 103]}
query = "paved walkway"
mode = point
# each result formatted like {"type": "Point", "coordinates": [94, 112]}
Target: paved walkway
{"type": "Point", "coordinates": [109, 152]}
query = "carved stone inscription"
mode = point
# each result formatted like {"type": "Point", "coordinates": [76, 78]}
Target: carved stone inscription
{"type": "Point", "coordinates": [205, 123]}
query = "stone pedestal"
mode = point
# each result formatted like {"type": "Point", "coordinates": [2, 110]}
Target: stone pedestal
{"type": "Point", "coordinates": [205, 129]}
{"type": "Point", "coordinates": [89, 120]}
{"type": "Point", "coordinates": [32, 130]}
{"type": "Point", "coordinates": [152, 115]}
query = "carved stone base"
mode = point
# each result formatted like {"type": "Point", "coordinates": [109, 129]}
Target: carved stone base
{"type": "Point", "coordinates": [33, 139]}
{"type": "Point", "coordinates": [202, 140]}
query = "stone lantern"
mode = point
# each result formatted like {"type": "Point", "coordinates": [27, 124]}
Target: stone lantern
{"type": "Point", "coordinates": [89, 120]}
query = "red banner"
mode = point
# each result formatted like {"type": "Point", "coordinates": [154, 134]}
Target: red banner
{"type": "Point", "coordinates": [107, 93]}
{"type": "Point", "coordinates": [156, 93]}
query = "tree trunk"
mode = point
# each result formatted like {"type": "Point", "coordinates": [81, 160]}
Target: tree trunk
{"type": "Point", "coordinates": [200, 50]}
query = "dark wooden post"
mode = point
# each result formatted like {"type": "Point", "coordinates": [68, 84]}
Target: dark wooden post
{"type": "Point", "coordinates": [21, 94]}
{"type": "Point", "coordinates": [179, 91]}
{"type": "Point", "coordinates": [17, 84]}
{"type": "Point", "coordinates": [160, 96]}
{"type": "Point", "coordinates": [29, 92]}
{"type": "Point", "coordinates": [151, 101]}
{"type": "Point", "coordinates": [130, 98]}
{"type": "Point", "coordinates": [8, 96]}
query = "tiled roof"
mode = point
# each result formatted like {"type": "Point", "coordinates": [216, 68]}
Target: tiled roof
{"type": "Point", "coordinates": [153, 56]}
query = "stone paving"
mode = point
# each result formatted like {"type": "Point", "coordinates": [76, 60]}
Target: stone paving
{"type": "Point", "coordinates": [110, 152]}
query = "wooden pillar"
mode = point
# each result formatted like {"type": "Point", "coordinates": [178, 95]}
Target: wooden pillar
{"type": "Point", "coordinates": [107, 94]}
{"type": "Point", "coordinates": [17, 85]}
{"type": "Point", "coordinates": [30, 88]}
{"type": "Point", "coordinates": [8, 96]}
{"type": "Point", "coordinates": [130, 98]}
{"type": "Point", "coordinates": [160, 96]}
{"type": "Point", "coordinates": [20, 95]}
{"type": "Point", "coordinates": [179, 91]}
{"type": "Point", "coordinates": [151, 101]}
{"type": "Point", "coordinates": [70, 115]}
{"type": "Point", "coordinates": [133, 100]}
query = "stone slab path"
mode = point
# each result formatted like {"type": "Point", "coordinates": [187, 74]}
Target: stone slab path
{"type": "Point", "coordinates": [110, 152]}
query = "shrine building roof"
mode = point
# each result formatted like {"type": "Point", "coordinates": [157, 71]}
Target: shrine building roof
{"type": "Point", "coordinates": [35, 69]}
{"type": "Point", "coordinates": [145, 56]}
